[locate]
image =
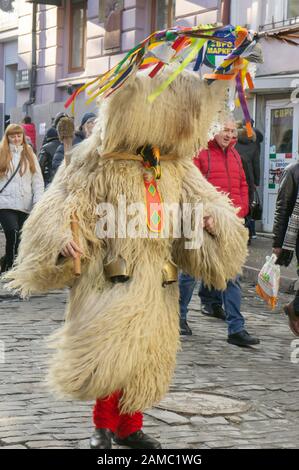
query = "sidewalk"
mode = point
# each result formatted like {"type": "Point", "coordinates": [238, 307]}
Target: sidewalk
{"type": "Point", "coordinates": [221, 396]}
{"type": "Point", "coordinates": [258, 250]}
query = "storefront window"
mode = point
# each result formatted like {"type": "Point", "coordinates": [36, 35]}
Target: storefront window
{"type": "Point", "coordinates": [163, 12]}
{"type": "Point", "coordinates": [281, 130]}
{"type": "Point", "coordinates": [77, 35]}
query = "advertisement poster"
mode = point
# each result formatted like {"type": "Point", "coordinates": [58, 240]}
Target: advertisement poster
{"type": "Point", "coordinates": [217, 50]}
{"type": "Point", "coordinates": [275, 171]}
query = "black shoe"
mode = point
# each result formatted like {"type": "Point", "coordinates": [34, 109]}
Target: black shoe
{"type": "Point", "coordinates": [101, 439]}
{"type": "Point", "coordinates": [218, 312]}
{"type": "Point", "coordinates": [185, 328]}
{"type": "Point", "coordinates": [293, 316]}
{"type": "Point", "coordinates": [214, 311]}
{"type": "Point", "coordinates": [242, 338]}
{"type": "Point", "coordinates": [138, 440]}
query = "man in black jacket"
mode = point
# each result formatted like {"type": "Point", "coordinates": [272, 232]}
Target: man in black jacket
{"type": "Point", "coordinates": [286, 199]}
{"type": "Point", "coordinates": [249, 149]}
{"type": "Point", "coordinates": [47, 153]}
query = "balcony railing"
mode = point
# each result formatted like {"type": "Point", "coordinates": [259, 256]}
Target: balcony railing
{"type": "Point", "coordinates": [284, 24]}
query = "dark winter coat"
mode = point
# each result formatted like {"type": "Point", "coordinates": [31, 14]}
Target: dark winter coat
{"type": "Point", "coordinates": [46, 156]}
{"type": "Point", "coordinates": [286, 198]}
{"type": "Point", "coordinates": [249, 150]}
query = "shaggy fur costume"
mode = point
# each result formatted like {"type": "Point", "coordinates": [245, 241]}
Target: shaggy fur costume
{"type": "Point", "coordinates": [125, 336]}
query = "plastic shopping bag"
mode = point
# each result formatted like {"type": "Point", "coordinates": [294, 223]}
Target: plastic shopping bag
{"type": "Point", "coordinates": [268, 281]}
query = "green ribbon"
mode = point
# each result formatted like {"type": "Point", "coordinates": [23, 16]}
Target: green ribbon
{"type": "Point", "coordinates": [198, 45]}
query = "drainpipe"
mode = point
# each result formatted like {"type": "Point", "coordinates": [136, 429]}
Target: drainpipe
{"type": "Point", "coordinates": [32, 91]}
{"type": "Point", "coordinates": [225, 11]}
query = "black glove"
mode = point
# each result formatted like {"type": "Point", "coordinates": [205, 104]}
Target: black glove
{"type": "Point", "coordinates": [285, 257]}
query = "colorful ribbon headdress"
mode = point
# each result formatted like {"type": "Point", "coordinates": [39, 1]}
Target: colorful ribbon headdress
{"type": "Point", "coordinates": [179, 47]}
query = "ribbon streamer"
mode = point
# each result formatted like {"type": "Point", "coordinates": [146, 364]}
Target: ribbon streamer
{"type": "Point", "coordinates": [177, 45]}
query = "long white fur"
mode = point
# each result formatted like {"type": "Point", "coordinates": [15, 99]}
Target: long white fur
{"type": "Point", "coordinates": [125, 336]}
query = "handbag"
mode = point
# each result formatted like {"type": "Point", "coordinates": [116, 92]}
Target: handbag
{"type": "Point", "coordinates": [256, 209]}
{"type": "Point", "coordinates": [11, 178]}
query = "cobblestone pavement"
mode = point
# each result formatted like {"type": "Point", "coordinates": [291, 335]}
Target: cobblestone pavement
{"type": "Point", "coordinates": [198, 412]}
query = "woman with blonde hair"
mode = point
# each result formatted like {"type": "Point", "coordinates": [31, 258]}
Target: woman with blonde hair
{"type": "Point", "coordinates": [21, 186]}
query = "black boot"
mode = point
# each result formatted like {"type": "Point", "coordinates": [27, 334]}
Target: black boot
{"type": "Point", "coordinates": [242, 338]}
{"type": "Point", "coordinates": [292, 311]}
{"type": "Point", "coordinates": [185, 328]}
{"type": "Point", "coordinates": [138, 440]}
{"type": "Point", "coordinates": [214, 310]}
{"type": "Point", "coordinates": [101, 439]}
{"type": "Point", "coordinates": [218, 312]}
{"type": "Point", "coordinates": [2, 264]}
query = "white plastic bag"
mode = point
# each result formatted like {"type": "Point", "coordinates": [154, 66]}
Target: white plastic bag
{"type": "Point", "coordinates": [268, 281]}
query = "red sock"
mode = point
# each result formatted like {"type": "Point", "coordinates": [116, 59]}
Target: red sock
{"type": "Point", "coordinates": [129, 423]}
{"type": "Point", "coordinates": [106, 414]}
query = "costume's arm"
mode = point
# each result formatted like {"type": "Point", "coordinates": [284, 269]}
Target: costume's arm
{"type": "Point", "coordinates": [221, 256]}
{"type": "Point", "coordinates": [47, 231]}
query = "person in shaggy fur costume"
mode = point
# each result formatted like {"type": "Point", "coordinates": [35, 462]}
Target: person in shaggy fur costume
{"type": "Point", "coordinates": [119, 341]}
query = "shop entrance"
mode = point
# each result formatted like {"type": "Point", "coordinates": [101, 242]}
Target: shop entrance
{"type": "Point", "coordinates": [281, 148]}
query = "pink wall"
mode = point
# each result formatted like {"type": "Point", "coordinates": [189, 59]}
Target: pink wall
{"type": "Point", "coordinates": [53, 34]}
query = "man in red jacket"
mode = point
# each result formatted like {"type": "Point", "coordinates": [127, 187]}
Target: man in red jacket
{"type": "Point", "coordinates": [221, 164]}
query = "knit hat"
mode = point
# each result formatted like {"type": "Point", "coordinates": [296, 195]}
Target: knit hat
{"type": "Point", "coordinates": [58, 117]}
{"type": "Point", "coordinates": [51, 134]}
{"type": "Point", "coordinates": [87, 117]}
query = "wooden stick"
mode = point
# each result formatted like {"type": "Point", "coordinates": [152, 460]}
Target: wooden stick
{"type": "Point", "coordinates": [65, 131]}
{"type": "Point", "coordinates": [75, 233]}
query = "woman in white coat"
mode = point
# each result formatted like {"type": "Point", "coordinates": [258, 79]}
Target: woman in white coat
{"type": "Point", "coordinates": [21, 186]}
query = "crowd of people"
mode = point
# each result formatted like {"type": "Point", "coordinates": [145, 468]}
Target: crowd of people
{"type": "Point", "coordinates": [24, 176]}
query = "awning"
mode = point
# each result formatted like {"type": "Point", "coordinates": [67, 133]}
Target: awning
{"type": "Point", "coordinates": [58, 3]}
{"type": "Point", "coordinates": [275, 83]}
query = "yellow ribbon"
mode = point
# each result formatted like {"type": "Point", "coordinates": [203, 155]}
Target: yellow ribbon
{"type": "Point", "coordinates": [198, 44]}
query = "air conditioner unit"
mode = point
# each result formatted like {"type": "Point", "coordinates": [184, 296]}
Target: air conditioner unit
{"type": "Point", "coordinates": [23, 79]}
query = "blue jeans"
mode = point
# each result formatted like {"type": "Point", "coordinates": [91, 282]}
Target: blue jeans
{"type": "Point", "coordinates": [186, 285]}
{"type": "Point", "coordinates": [230, 298]}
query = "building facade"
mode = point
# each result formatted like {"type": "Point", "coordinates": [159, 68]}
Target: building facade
{"type": "Point", "coordinates": [76, 40]}
{"type": "Point", "coordinates": [8, 59]}
{"type": "Point", "coordinates": [50, 47]}
{"type": "Point", "coordinates": [275, 99]}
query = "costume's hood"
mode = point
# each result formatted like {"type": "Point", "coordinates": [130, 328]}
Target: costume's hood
{"type": "Point", "coordinates": [179, 121]}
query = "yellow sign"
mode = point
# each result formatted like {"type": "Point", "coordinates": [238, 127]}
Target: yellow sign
{"type": "Point", "coordinates": [220, 48]}
{"type": "Point", "coordinates": [284, 112]}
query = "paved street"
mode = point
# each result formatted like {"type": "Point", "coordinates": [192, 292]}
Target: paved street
{"type": "Point", "coordinates": [222, 396]}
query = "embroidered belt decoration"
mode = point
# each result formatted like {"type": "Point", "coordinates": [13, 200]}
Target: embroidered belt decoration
{"type": "Point", "coordinates": [154, 209]}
